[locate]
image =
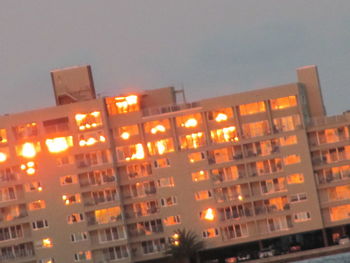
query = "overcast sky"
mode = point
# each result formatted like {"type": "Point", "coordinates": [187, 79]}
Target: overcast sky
{"type": "Point", "coordinates": [210, 47]}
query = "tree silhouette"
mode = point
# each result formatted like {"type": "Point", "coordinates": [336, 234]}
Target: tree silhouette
{"type": "Point", "coordinates": [184, 246]}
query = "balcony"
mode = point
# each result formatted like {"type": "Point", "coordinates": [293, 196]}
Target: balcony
{"type": "Point", "coordinates": [146, 232]}
{"type": "Point", "coordinates": [267, 209]}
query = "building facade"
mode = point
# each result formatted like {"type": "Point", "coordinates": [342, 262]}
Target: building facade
{"type": "Point", "coordinates": [110, 179]}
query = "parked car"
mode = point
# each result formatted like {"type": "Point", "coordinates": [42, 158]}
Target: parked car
{"type": "Point", "coordinates": [295, 247]}
{"type": "Point", "coordinates": [243, 256]}
{"type": "Point", "coordinates": [231, 260]}
{"type": "Point", "coordinates": [343, 240]}
{"type": "Point", "coordinates": [267, 252]}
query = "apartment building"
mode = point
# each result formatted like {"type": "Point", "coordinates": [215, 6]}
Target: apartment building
{"type": "Point", "coordinates": [110, 179]}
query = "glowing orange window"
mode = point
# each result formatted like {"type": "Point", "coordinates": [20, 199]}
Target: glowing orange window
{"type": "Point", "coordinates": [220, 115]}
{"type": "Point", "coordinates": [208, 214]}
{"type": "Point", "coordinates": [189, 121]}
{"type": "Point", "coordinates": [192, 141]}
{"type": "Point", "coordinates": [172, 220]}
{"type": "Point", "coordinates": [156, 127]}
{"type": "Point", "coordinates": [160, 147]}
{"type": "Point", "coordinates": [291, 159]}
{"type": "Point", "coordinates": [28, 149]}
{"type": "Point", "coordinates": [59, 144]}
{"type": "Point", "coordinates": [210, 233]}
{"type": "Point", "coordinates": [4, 154]}
{"type": "Point", "coordinates": [123, 104]}
{"type": "Point", "coordinates": [130, 152]}
{"type": "Point", "coordinates": [36, 205]}
{"type": "Point", "coordinates": [69, 199]}
{"type": "Point", "coordinates": [86, 121]}
{"type": "Point", "coordinates": [284, 102]}
{"type": "Point", "coordinates": [252, 108]}
{"type": "Point", "coordinates": [126, 132]}
{"type": "Point", "coordinates": [92, 138]}
{"type": "Point", "coordinates": [200, 176]}
{"type": "Point", "coordinates": [196, 157]}
{"type": "Point", "coordinates": [295, 178]}
{"type": "Point", "coordinates": [3, 136]}
{"type": "Point", "coordinates": [288, 140]}
{"type": "Point", "coordinates": [228, 134]}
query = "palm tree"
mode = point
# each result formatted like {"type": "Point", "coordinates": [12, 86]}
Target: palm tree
{"type": "Point", "coordinates": [185, 246]}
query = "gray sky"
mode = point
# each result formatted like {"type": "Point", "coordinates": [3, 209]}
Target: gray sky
{"type": "Point", "coordinates": [211, 47]}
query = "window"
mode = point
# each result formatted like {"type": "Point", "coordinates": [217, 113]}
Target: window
{"type": "Point", "coordinates": [25, 131]}
{"type": "Point", "coordinates": [3, 136]}
{"type": "Point", "coordinates": [172, 220]}
{"type": "Point", "coordinates": [33, 186]}
{"type": "Point", "coordinates": [168, 201]}
{"type": "Point", "coordinates": [68, 179]}
{"type": "Point", "coordinates": [288, 123]}
{"type": "Point", "coordinates": [255, 129]}
{"type": "Point", "coordinates": [122, 105]}
{"type": "Point", "coordinates": [39, 224]}
{"type": "Point", "coordinates": [302, 217]}
{"type": "Point", "coordinates": [339, 212]}
{"type": "Point", "coordinates": [75, 218]}
{"type": "Point", "coordinates": [10, 233]}
{"type": "Point", "coordinates": [104, 216]}
{"type": "Point", "coordinates": [69, 199]}
{"type": "Point", "coordinates": [28, 149]}
{"type": "Point", "coordinates": [339, 192]}
{"type": "Point", "coordinates": [44, 243]}
{"type": "Point", "coordinates": [96, 177]}
{"type": "Point", "coordinates": [82, 255]}
{"type": "Point", "coordinates": [283, 103]}
{"type": "Point", "coordinates": [4, 154]}
{"type": "Point", "coordinates": [7, 194]}
{"type": "Point", "coordinates": [86, 121]}
{"type": "Point", "coordinates": [252, 108]}
{"type": "Point", "coordinates": [115, 253]}
{"type": "Point", "coordinates": [161, 163]}
{"type": "Point", "coordinates": [192, 141]}
{"type": "Point", "coordinates": [200, 176]}
{"type": "Point", "coordinates": [291, 159]}
{"type": "Point", "coordinates": [91, 158]}
{"type": "Point", "coordinates": [153, 246]}
{"type": "Point", "coordinates": [160, 147]}
{"type": "Point", "coordinates": [207, 214]}
{"type": "Point", "coordinates": [210, 232]}
{"type": "Point", "coordinates": [298, 197]}
{"type": "Point", "coordinates": [189, 121]}
{"type": "Point", "coordinates": [202, 195]}
{"type": "Point", "coordinates": [91, 138]}
{"type": "Point", "coordinates": [288, 140]}
{"type": "Point", "coordinates": [227, 134]}
{"type": "Point", "coordinates": [59, 144]}
{"type": "Point", "coordinates": [130, 152]}
{"type": "Point", "coordinates": [111, 234]}
{"type": "Point", "coordinates": [295, 178]}
{"type": "Point", "coordinates": [126, 132]}
{"type": "Point", "coordinates": [157, 127]}
{"type": "Point", "coordinates": [165, 182]}
{"type": "Point", "coordinates": [64, 160]}
{"type": "Point", "coordinates": [235, 231]}
{"type": "Point", "coordinates": [77, 237]}
{"type": "Point", "coordinates": [196, 157]}
{"type": "Point", "coordinates": [138, 170]}
{"type": "Point", "coordinates": [36, 205]}
{"type": "Point", "coordinates": [56, 125]}
{"type": "Point", "coordinates": [220, 115]}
